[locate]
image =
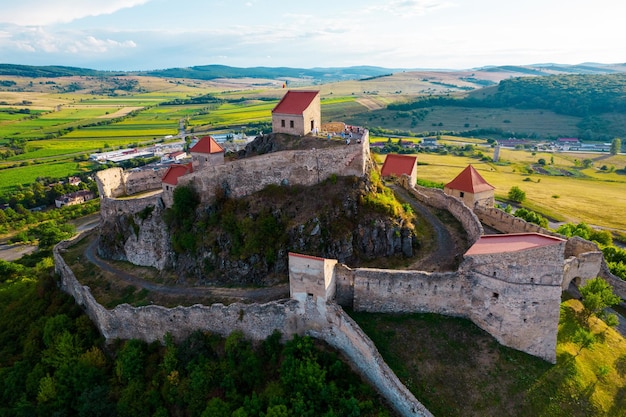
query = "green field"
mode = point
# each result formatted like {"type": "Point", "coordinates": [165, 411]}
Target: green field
{"type": "Point", "coordinates": [9, 178]}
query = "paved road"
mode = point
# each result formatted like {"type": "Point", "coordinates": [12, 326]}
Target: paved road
{"type": "Point", "coordinates": [260, 295]}
{"type": "Point", "coordinates": [445, 251]}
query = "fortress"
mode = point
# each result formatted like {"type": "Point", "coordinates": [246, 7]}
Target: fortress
{"type": "Point", "coordinates": [511, 290]}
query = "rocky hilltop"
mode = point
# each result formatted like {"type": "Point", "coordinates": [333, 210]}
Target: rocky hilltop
{"type": "Point", "coordinates": [246, 241]}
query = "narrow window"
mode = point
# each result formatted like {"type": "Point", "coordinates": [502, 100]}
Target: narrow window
{"type": "Point", "coordinates": [282, 123]}
{"type": "Point", "coordinates": [461, 194]}
{"type": "Point", "coordinates": [291, 124]}
{"type": "Point", "coordinates": [312, 124]}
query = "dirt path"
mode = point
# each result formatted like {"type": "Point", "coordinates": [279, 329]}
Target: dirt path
{"type": "Point", "coordinates": [447, 245]}
{"type": "Point", "coordinates": [260, 295]}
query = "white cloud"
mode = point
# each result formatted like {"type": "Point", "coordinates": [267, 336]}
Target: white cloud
{"type": "Point", "coordinates": [46, 12]}
{"type": "Point", "coordinates": [408, 8]}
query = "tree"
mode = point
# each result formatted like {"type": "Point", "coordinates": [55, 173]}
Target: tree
{"type": "Point", "coordinates": [616, 146]}
{"type": "Point", "coordinates": [597, 295]}
{"type": "Point", "coordinates": [516, 194]}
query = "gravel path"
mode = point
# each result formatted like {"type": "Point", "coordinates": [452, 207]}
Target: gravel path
{"type": "Point", "coordinates": [260, 295]}
{"type": "Point", "coordinates": [447, 245]}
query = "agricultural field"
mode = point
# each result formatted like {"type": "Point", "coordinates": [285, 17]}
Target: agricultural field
{"type": "Point", "coordinates": [594, 196]}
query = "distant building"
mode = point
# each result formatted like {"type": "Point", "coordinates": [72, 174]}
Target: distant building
{"type": "Point", "coordinates": [472, 188]}
{"type": "Point", "coordinates": [206, 152]}
{"type": "Point", "coordinates": [298, 113]}
{"type": "Point", "coordinates": [430, 143]}
{"type": "Point", "coordinates": [174, 157]}
{"type": "Point", "coordinates": [74, 180]}
{"type": "Point", "coordinates": [71, 199]}
{"type": "Point", "coordinates": [399, 165]}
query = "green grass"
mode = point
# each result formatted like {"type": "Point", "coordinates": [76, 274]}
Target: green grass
{"type": "Point", "coordinates": [456, 369]}
{"type": "Point", "coordinates": [9, 178]}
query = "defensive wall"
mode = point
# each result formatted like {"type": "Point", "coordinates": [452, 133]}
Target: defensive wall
{"type": "Point", "coordinates": [437, 198]}
{"type": "Point", "coordinates": [115, 182]}
{"type": "Point", "coordinates": [305, 167]}
{"type": "Point", "coordinates": [311, 315]}
{"type": "Point", "coordinates": [583, 259]}
{"type": "Point", "coordinates": [514, 296]}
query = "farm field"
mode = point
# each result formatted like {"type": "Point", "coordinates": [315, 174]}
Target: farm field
{"type": "Point", "coordinates": [598, 198]}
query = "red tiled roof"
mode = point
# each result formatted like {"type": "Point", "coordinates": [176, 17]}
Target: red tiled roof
{"type": "Point", "coordinates": [398, 164]}
{"type": "Point", "coordinates": [295, 102]}
{"type": "Point", "coordinates": [511, 243]}
{"type": "Point", "coordinates": [470, 181]}
{"type": "Point", "coordinates": [176, 171]}
{"type": "Point", "coordinates": [206, 144]}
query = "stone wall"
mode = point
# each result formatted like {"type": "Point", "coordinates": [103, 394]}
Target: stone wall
{"type": "Point", "coordinates": [115, 182]}
{"type": "Point", "coordinates": [514, 296]}
{"type": "Point", "coordinates": [150, 323]}
{"type": "Point", "coordinates": [438, 199]}
{"type": "Point", "coordinates": [305, 167]}
{"type": "Point", "coordinates": [507, 223]}
{"type": "Point", "coordinates": [327, 322]}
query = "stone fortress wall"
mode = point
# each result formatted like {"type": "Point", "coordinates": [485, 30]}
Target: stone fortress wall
{"type": "Point", "coordinates": [311, 316]}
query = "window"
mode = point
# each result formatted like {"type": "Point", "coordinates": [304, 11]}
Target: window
{"type": "Point", "coordinates": [291, 124]}
{"type": "Point", "coordinates": [312, 124]}
{"type": "Point", "coordinates": [461, 194]}
{"type": "Point", "coordinates": [282, 123]}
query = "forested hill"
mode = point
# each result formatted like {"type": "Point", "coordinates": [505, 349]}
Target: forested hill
{"type": "Point", "coordinates": [574, 95]}
{"type": "Point", "coordinates": [206, 72]}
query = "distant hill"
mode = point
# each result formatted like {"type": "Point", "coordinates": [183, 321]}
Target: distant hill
{"type": "Point", "coordinates": [312, 75]}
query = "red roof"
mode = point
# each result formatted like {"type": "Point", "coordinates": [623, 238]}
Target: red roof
{"type": "Point", "coordinates": [470, 181]}
{"type": "Point", "coordinates": [206, 144]}
{"type": "Point", "coordinates": [295, 102]}
{"type": "Point", "coordinates": [398, 164]}
{"type": "Point", "coordinates": [511, 243]}
{"type": "Point", "coordinates": [176, 171]}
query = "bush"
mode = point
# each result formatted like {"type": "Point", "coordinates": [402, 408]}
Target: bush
{"type": "Point", "coordinates": [516, 194]}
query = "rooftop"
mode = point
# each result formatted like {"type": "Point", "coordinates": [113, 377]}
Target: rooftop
{"type": "Point", "coordinates": [176, 171]}
{"type": "Point", "coordinates": [295, 102]}
{"type": "Point", "coordinates": [398, 164]}
{"type": "Point", "coordinates": [206, 144]}
{"type": "Point", "coordinates": [511, 243]}
{"type": "Point", "coordinates": [470, 181]}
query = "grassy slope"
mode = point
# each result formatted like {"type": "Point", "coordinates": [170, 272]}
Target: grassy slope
{"type": "Point", "coordinates": [456, 369]}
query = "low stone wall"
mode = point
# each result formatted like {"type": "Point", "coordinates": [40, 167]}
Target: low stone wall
{"type": "Point", "coordinates": [341, 332]}
{"type": "Point", "coordinates": [507, 223]}
{"type": "Point", "coordinates": [150, 323]}
{"type": "Point", "coordinates": [435, 197]}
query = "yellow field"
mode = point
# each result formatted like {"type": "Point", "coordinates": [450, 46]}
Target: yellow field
{"type": "Point", "coordinates": [598, 200]}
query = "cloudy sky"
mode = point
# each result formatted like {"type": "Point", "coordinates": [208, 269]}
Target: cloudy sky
{"type": "Point", "coordinates": [455, 34]}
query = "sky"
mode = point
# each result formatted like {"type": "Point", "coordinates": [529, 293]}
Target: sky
{"type": "Point", "coordinates": [132, 35]}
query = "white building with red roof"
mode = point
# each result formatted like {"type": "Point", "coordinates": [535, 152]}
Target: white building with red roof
{"type": "Point", "coordinates": [472, 188]}
{"type": "Point", "coordinates": [206, 152]}
{"type": "Point", "coordinates": [399, 165]}
{"type": "Point", "coordinates": [298, 113]}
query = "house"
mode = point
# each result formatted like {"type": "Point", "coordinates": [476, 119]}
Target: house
{"type": "Point", "coordinates": [206, 152]}
{"type": "Point", "coordinates": [71, 199]}
{"type": "Point", "coordinates": [73, 180]}
{"type": "Point", "coordinates": [430, 143]}
{"type": "Point", "coordinates": [472, 188]}
{"type": "Point", "coordinates": [399, 165]}
{"type": "Point", "coordinates": [175, 171]}
{"type": "Point", "coordinates": [298, 113]}
{"type": "Point", "coordinates": [174, 157]}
